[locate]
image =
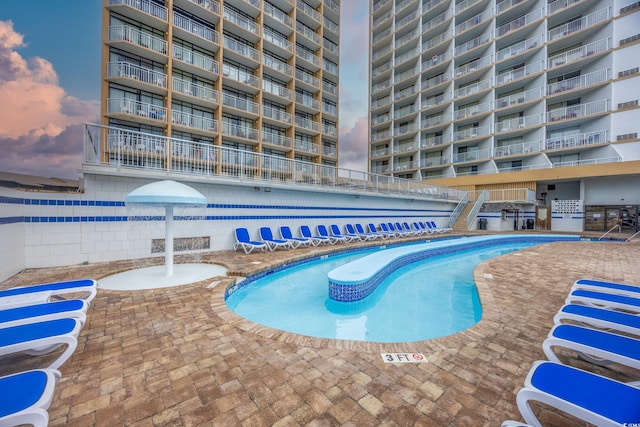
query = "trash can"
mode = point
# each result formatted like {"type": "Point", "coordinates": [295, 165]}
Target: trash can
{"type": "Point", "coordinates": [482, 223]}
{"type": "Point", "coordinates": [530, 224]}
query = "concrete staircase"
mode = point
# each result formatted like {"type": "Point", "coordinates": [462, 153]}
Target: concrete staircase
{"type": "Point", "coordinates": [460, 226]}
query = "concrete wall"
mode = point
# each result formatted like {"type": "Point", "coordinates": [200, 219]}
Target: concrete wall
{"type": "Point", "coordinates": [57, 229]}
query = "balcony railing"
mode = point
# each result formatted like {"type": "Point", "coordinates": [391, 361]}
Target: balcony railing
{"type": "Point", "coordinates": [136, 108]}
{"type": "Point", "coordinates": [429, 162]}
{"type": "Point", "coordinates": [583, 162]}
{"type": "Point", "coordinates": [405, 111]}
{"type": "Point", "coordinates": [151, 152]}
{"type": "Point", "coordinates": [516, 149]}
{"type": "Point", "coordinates": [277, 40]}
{"type": "Point", "coordinates": [407, 55]}
{"type": "Point", "coordinates": [307, 78]}
{"type": "Point", "coordinates": [434, 140]}
{"type": "Point", "coordinates": [330, 88]}
{"type": "Point", "coordinates": [579, 24]}
{"type": "Point", "coordinates": [411, 73]}
{"type": "Point", "coordinates": [241, 21]}
{"type": "Point", "coordinates": [276, 114]}
{"type": "Point", "coordinates": [308, 10]}
{"type": "Point", "coordinates": [432, 42]}
{"type": "Point", "coordinates": [506, 4]}
{"type": "Point", "coordinates": [472, 66]}
{"type": "Point", "coordinates": [378, 136]}
{"type": "Point", "coordinates": [307, 101]}
{"type": "Point", "coordinates": [381, 86]}
{"type": "Point", "coordinates": [307, 32]}
{"type": "Point", "coordinates": [579, 82]}
{"type": "Point", "coordinates": [136, 72]}
{"type": "Point", "coordinates": [331, 26]}
{"type": "Point", "coordinates": [434, 100]}
{"type": "Point", "coordinates": [278, 15]}
{"type": "Point", "coordinates": [146, 6]}
{"type": "Point", "coordinates": [407, 38]}
{"type": "Point", "coordinates": [307, 124]}
{"type": "Point", "coordinates": [580, 110]}
{"type": "Point", "coordinates": [520, 22]}
{"type": "Point", "coordinates": [464, 4]}
{"type": "Point", "coordinates": [309, 147]}
{"type": "Point", "coordinates": [473, 110]}
{"type": "Point", "coordinates": [328, 150]}
{"type": "Point", "coordinates": [519, 98]}
{"type": "Point", "coordinates": [308, 56]}
{"type": "Point", "coordinates": [572, 141]}
{"type": "Point", "coordinates": [579, 53]}
{"type": "Point", "coordinates": [137, 37]}
{"type": "Point", "coordinates": [239, 75]}
{"type": "Point", "coordinates": [519, 47]}
{"type": "Point", "coordinates": [434, 81]}
{"type": "Point", "coordinates": [276, 139]}
{"type": "Point", "coordinates": [432, 121]}
{"type": "Point", "coordinates": [406, 92]}
{"type": "Point", "coordinates": [471, 156]}
{"type": "Point", "coordinates": [380, 152]}
{"type": "Point", "coordinates": [436, 59]}
{"type": "Point", "coordinates": [472, 132]}
{"type": "Point", "coordinates": [196, 59]}
{"type": "Point", "coordinates": [194, 121]}
{"type": "Point", "coordinates": [472, 22]}
{"type": "Point", "coordinates": [473, 88]}
{"type": "Point", "coordinates": [329, 130]}
{"type": "Point", "coordinates": [518, 73]}
{"type": "Point", "coordinates": [239, 131]}
{"type": "Point", "coordinates": [210, 5]}
{"type": "Point", "coordinates": [240, 103]}
{"type": "Point", "coordinates": [518, 123]}
{"type": "Point", "coordinates": [473, 43]}
{"type": "Point", "coordinates": [277, 65]}
{"type": "Point", "coordinates": [196, 28]}
{"type": "Point", "coordinates": [195, 90]}
{"type": "Point", "coordinates": [557, 5]}
{"type": "Point", "coordinates": [277, 90]}
{"type": "Point", "coordinates": [330, 109]}
{"type": "Point", "coordinates": [241, 48]}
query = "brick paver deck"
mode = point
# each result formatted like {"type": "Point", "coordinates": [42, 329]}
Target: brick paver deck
{"type": "Point", "coordinates": [178, 356]}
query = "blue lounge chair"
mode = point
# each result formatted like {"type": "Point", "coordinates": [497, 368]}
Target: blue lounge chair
{"type": "Point", "coordinates": [385, 229]}
{"type": "Point", "coordinates": [335, 231]}
{"type": "Point", "coordinates": [26, 397]}
{"type": "Point", "coordinates": [243, 240]}
{"type": "Point", "coordinates": [392, 228]}
{"type": "Point", "coordinates": [604, 300]}
{"type": "Point", "coordinates": [85, 289]}
{"type": "Point", "coordinates": [41, 338]}
{"type": "Point", "coordinates": [596, 346]}
{"type": "Point", "coordinates": [357, 229]}
{"type": "Point", "coordinates": [607, 287]}
{"type": "Point", "coordinates": [439, 229]}
{"type": "Point", "coordinates": [599, 318]}
{"type": "Point", "coordinates": [305, 231]}
{"type": "Point", "coordinates": [286, 234]}
{"type": "Point", "coordinates": [73, 308]}
{"type": "Point", "coordinates": [322, 231]}
{"type": "Point", "coordinates": [421, 228]}
{"type": "Point", "coordinates": [385, 234]}
{"type": "Point", "coordinates": [593, 398]}
{"type": "Point", "coordinates": [272, 243]}
{"type": "Point", "coordinates": [406, 227]}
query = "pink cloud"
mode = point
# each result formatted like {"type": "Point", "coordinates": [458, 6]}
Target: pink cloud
{"type": "Point", "coordinates": [39, 131]}
{"type": "Point", "coordinates": [354, 145]}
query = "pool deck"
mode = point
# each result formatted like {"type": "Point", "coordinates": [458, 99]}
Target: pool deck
{"type": "Point", "coordinates": [177, 356]}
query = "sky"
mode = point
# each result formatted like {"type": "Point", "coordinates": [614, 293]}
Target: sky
{"type": "Point", "coordinates": [50, 84]}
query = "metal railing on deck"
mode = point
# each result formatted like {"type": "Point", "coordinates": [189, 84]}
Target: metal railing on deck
{"type": "Point", "coordinates": [119, 148]}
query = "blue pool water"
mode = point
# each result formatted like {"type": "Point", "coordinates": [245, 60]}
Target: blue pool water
{"type": "Point", "coordinates": [428, 299]}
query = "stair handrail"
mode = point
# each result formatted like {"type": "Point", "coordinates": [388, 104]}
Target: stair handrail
{"type": "Point", "coordinates": [482, 197]}
{"type": "Point", "coordinates": [458, 209]}
{"type": "Point", "coordinates": [634, 235]}
{"type": "Point", "coordinates": [612, 228]}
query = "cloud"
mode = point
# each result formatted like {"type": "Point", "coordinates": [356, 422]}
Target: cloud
{"type": "Point", "coordinates": [38, 117]}
{"type": "Point", "coordinates": [354, 145]}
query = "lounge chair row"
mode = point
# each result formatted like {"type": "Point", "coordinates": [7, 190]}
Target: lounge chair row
{"type": "Point", "coordinates": [37, 320]}
{"type": "Point", "coordinates": [330, 235]}
{"type": "Point", "coordinates": [600, 321]}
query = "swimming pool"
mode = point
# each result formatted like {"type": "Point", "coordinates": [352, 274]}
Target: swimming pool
{"type": "Point", "coordinates": [418, 301]}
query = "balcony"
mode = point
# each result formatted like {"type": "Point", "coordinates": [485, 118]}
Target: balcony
{"type": "Point", "coordinates": [409, 74]}
{"type": "Point", "coordinates": [240, 76]}
{"type": "Point", "coordinates": [329, 109]}
{"type": "Point", "coordinates": [506, 5]}
{"type": "Point", "coordinates": [436, 59]}
{"type": "Point", "coordinates": [242, 49]}
{"type": "Point", "coordinates": [278, 16]}
{"type": "Point", "coordinates": [277, 65]}
{"type": "Point", "coordinates": [312, 37]}
{"type": "Point", "coordinates": [405, 111]}
{"type": "Point", "coordinates": [239, 131]}
{"type": "Point", "coordinates": [331, 26]}
{"type": "Point", "coordinates": [579, 53]}
{"type": "Point", "coordinates": [581, 110]}
{"type": "Point", "coordinates": [148, 12]}
{"type": "Point", "coordinates": [277, 90]}
{"type": "Point", "coordinates": [471, 111]}
{"type": "Point", "coordinates": [240, 104]}
{"type": "Point", "coordinates": [429, 162]}
{"type": "Point", "coordinates": [470, 133]}
{"type": "Point", "coordinates": [407, 38]}
{"type": "Point", "coordinates": [407, 19]}
{"type": "Point", "coordinates": [435, 41]}
{"type": "Point", "coordinates": [189, 89]}
{"type": "Point", "coordinates": [242, 22]}
{"type": "Point", "coordinates": [381, 20]}
{"type": "Point", "coordinates": [520, 22]}
{"type": "Point", "coordinates": [196, 62]}
{"type": "Point", "coordinates": [435, 100]}
{"type": "Point", "coordinates": [472, 44]}
{"type": "Point", "coordinates": [329, 88]}
{"type": "Point", "coordinates": [405, 93]}
{"type": "Point", "coordinates": [579, 82]}
{"type": "Point", "coordinates": [579, 24]}
{"type": "Point", "coordinates": [435, 81]}
{"type": "Point", "coordinates": [519, 73]}
{"type": "Point", "coordinates": [407, 56]}
{"type": "Point", "coordinates": [471, 156]}
{"type": "Point", "coordinates": [518, 123]}
{"type": "Point", "coordinates": [572, 141]}
{"type": "Point", "coordinates": [432, 121]}
{"type": "Point", "coordinates": [472, 66]}
{"type": "Point", "coordinates": [473, 21]}
{"type": "Point", "coordinates": [434, 141]}
{"type": "Point", "coordinates": [193, 121]}
{"type": "Point", "coordinates": [518, 149]}
{"type": "Point", "coordinates": [310, 15]}
{"type": "Point", "coordinates": [383, 152]}
{"type": "Point", "coordinates": [276, 139]}
{"type": "Point", "coordinates": [309, 58]}
{"type": "Point", "coordinates": [133, 108]}
{"type": "Point", "coordinates": [136, 75]}
{"type": "Point", "coordinates": [138, 41]}
{"type": "Point", "coordinates": [519, 98]}
{"type": "Point", "coordinates": [557, 5]}
{"type": "Point", "coordinates": [330, 130]}
{"type": "Point", "coordinates": [404, 130]}
{"type": "Point", "coordinates": [519, 47]}
{"type": "Point", "coordinates": [329, 150]}
{"type": "Point", "coordinates": [472, 88]}
{"type": "Point", "coordinates": [309, 147]}
{"type": "Point", "coordinates": [583, 162]}
{"type": "Point", "coordinates": [381, 86]}
{"type": "Point", "coordinates": [277, 115]}
{"type": "Point", "coordinates": [307, 124]}
{"type": "Point", "coordinates": [210, 5]}
{"type": "Point", "coordinates": [307, 101]}
{"type": "Point", "coordinates": [200, 31]}
{"type": "Point", "coordinates": [465, 4]}
{"type": "Point", "coordinates": [286, 47]}
{"type": "Point", "coordinates": [381, 36]}
{"type": "Point", "coordinates": [307, 78]}
{"type": "Point", "coordinates": [379, 136]}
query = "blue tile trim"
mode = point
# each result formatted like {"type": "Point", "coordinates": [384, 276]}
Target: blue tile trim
{"type": "Point", "coordinates": [350, 292]}
{"type": "Point", "coordinates": [11, 220]}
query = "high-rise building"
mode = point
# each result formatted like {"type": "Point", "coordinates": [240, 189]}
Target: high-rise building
{"type": "Point", "coordinates": [252, 75]}
{"type": "Point", "coordinates": [536, 95]}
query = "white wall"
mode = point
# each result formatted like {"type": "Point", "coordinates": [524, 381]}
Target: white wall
{"type": "Point", "coordinates": [12, 235]}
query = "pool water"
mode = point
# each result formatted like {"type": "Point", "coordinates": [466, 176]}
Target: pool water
{"type": "Point", "coordinates": [428, 299]}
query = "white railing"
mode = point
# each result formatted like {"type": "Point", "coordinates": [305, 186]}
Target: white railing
{"type": "Point", "coordinates": [277, 65]}
{"type": "Point", "coordinates": [406, 38]}
{"type": "Point", "coordinates": [519, 47]}
{"type": "Point", "coordinates": [309, 147]}
{"type": "Point", "coordinates": [472, 88]}
{"type": "Point", "coordinates": [240, 103]}
{"type": "Point", "coordinates": [196, 28]}
{"type": "Point", "coordinates": [329, 150]}
{"type": "Point", "coordinates": [432, 141]}
{"type": "Point", "coordinates": [406, 92]}
{"type": "Point", "coordinates": [521, 148]}
{"type": "Point", "coordinates": [578, 82]}
{"type": "Point", "coordinates": [307, 32]}
{"type": "Point", "coordinates": [472, 110]}
{"type": "Point", "coordinates": [465, 4]}
{"type": "Point", "coordinates": [579, 53]}
{"type": "Point", "coordinates": [381, 86]}
{"type": "Point", "coordinates": [579, 24]}
{"type": "Point", "coordinates": [571, 141]}
{"type": "Point", "coordinates": [432, 101]}
{"type": "Point", "coordinates": [471, 156]}
{"type": "Point", "coordinates": [308, 56]}
{"type": "Point", "coordinates": [276, 139]}
{"type": "Point", "coordinates": [404, 111]}
{"type": "Point", "coordinates": [383, 35]}
{"type": "Point", "coordinates": [302, 6]}
{"type": "Point", "coordinates": [436, 59]}
{"type": "Point", "coordinates": [473, 43]}
{"type": "Point", "coordinates": [482, 197]}
{"type": "Point", "coordinates": [195, 90]}
{"type": "Point", "coordinates": [432, 121]}
{"type": "Point", "coordinates": [307, 124]}
{"type": "Point", "coordinates": [434, 81]}
{"type": "Point", "coordinates": [410, 73]}
{"type": "Point", "coordinates": [278, 15]}
{"type": "Point", "coordinates": [136, 72]}
{"type": "Point", "coordinates": [241, 48]}
{"type": "Point", "coordinates": [276, 114]}
{"type": "Point", "coordinates": [518, 73]}
{"type": "Point", "coordinates": [120, 148]}
{"type": "Point", "coordinates": [329, 130]}
{"type": "Point", "coordinates": [472, 132]}
{"type": "Point", "coordinates": [241, 21]}
{"type": "Point", "coordinates": [519, 22]}
{"type": "Point", "coordinates": [519, 98]}
{"type": "Point", "coordinates": [429, 162]}
{"type": "Point", "coordinates": [308, 101]}
{"type": "Point", "coordinates": [196, 59]}
{"type": "Point", "coordinates": [194, 121]}
{"type": "Point", "coordinates": [330, 88]}
{"type": "Point", "coordinates": [472, 66]}
{"type": "Point", "coordinates": [147, 6]}
{"type": "Point", "coordinates": [273, 38]}
{"type": "Point", "coordinates": [307, 78]}
{"type": "Point", "coordinates": [378, 136]}
{"type": "Point", "coordinates": [331, 26]}
{"type": "Point", "coordinates": [518, 123]}
{"type": "Point", "coordinates": [434, 41]}
{"type": "Point", "coordinates": [240, 75]}
{"type": "Point", "coordinates": [557, 5]}
{"type": "Point", "coordinates": [136, 108]}
{"type": "Point", "coordinates": [210, 5]}
{"type": "Point", "coordinates": [583, 162]}
{"type": "Point", "coordinates": [239, 131]}
{"type": "Point", "coordinates": [574, 111]}
{"type": "Point", "coordinates": [330, 109]}
{"type": "Point", "coordinates": [473, 21]}
{"type": "Point", "coordinates": [506, 4]}
{"type": "Point", "coordinates": [140, 38]}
